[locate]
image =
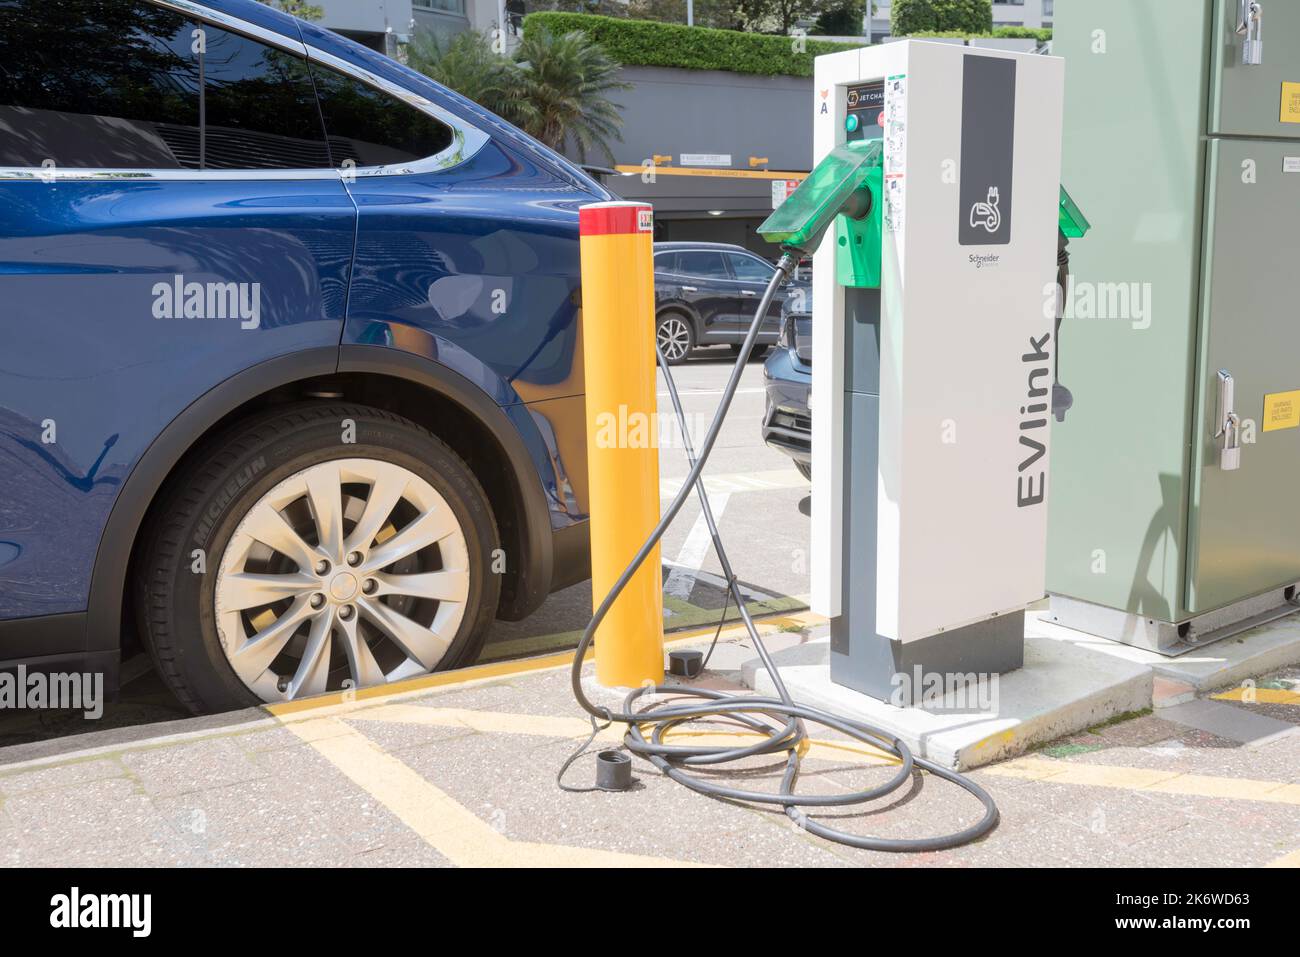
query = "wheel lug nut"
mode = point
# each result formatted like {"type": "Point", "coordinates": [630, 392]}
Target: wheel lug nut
{"type": "Point", "coordinates": [322, 567]}
{"type": "Point", "coordinates": [354, 558]}
{"type": "Point", "coordinates": [370, 587]}
{"type": "Point", "coordinates": [317, 600]}
{"type": "Point", "coordinates": [346, 612]}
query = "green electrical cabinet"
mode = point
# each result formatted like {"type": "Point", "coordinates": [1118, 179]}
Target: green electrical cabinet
{"type": "Point", "coordinates": [1174, 505]}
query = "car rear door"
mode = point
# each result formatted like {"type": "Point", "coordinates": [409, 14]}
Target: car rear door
{"type": "Point", "coordinates": [752, 276]}
{"type": "Point", "coordinates": [707, 286]}
{"type": "Point", "coordinates": [168, 218]}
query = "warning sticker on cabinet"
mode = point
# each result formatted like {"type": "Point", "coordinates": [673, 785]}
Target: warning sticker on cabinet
{"type": "Point", "coordinates": [1281, 411]}
{"type": "Point", "coordinates": [895, 129]}
{"type": "Point", "coordinates": [1291, 102]}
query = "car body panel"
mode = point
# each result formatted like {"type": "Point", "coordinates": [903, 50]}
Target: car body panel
{"type": "Point", "coordinates": [787, 381]}
{"type": "Point", "coordinates": [85, 269]}
{"type": "Point", "coordinates": [99, 399]}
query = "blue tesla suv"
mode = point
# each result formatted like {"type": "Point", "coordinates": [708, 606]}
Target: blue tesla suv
{"type": "Point", "coordinates": [290, 370]}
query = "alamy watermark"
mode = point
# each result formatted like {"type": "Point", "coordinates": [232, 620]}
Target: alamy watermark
{"type": "Point", "coordinates": [1126, 301]}
{"type": "Point", "coordinates": [21, 690]}
{"type": "Point", "coordinates": [949, 692]}
{"type": "Point", "coordinates": [180, 299]}
{"type": "Point", "coordinates": [129, 911]}
{"type": "Point", "coordinates": [630, 429]}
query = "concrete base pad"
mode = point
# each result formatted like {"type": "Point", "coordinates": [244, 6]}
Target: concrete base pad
{"type": "Point", "coordinates": [1226, 662]}
{"type": "Point", "coordinates": [1061, 689]}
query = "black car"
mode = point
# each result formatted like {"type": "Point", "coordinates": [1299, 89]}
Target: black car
{"type": "Point", "coordinates": [787, 374]}
{"type": "Point", "coordinates": [706, 294]}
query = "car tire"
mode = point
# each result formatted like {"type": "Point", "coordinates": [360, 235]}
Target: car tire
{"type": "Point", "coordinates": [805, 469]}
{"type": "Point", "coordinates": [674, 337]}
{"type": "Point", "coordinates": [404, 587]}
{"type": "Point", "coordinates": [755, 353]}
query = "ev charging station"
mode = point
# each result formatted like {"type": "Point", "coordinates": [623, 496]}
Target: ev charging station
{"type": "Point", "coordinates": [933, 360]}
{"type": "Point", "coordinates": [933, 215]}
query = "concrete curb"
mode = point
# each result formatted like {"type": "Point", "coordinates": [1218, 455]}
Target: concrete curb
{"type": "Point", "coordinates": [1061, 689]}
{"type": "Point", "coordinates": [1220, 664]}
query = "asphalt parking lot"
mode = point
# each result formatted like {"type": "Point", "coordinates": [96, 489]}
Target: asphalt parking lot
{"type": "Point", "coordinates": [759, 499]}
{"type": "Point", "coordinates": [459, 768]}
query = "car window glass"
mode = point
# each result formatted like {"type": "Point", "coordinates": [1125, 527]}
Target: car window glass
{"type": "Point", "coordinates": [95, 83]}
{"type": "Point", "coordinates": [371, 128]}
{"type": "Point", "coordinates": [666, 262]}
{"type": "Point", "coordinates": [703, 263]}
{"type": "Point", "coordinates": [123, 84]}
{"type": "Point", "coordinates": [259, 106]}
{"type": "Point", "coordinates": [750, 269]}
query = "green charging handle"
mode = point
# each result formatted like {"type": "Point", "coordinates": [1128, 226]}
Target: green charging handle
{"type": "Point", "coordinates": [1072, 221]}
{"type": "Point", "coordinates": [858, 241]}
{"type": "Point", "coordinates": [846, 189]}
{"type": "Point", "coordinates": [799, 223]}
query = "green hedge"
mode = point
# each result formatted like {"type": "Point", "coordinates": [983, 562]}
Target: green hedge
{"type": "Point", "coordinates": [1042, 35]}
{"type": "Point", "coordinates": [910, 17]}
{"type": "Point", "coordinates": [646, 43]}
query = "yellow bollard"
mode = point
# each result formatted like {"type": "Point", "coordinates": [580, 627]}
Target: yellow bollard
{"type": "Point", "coordinates": [618, 299]}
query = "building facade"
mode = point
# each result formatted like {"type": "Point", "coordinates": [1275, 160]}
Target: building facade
{"type": "Point", "coordinates": [388, 25]}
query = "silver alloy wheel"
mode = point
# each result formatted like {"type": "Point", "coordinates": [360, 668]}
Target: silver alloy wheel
{"type": "Point", "coordinates": [674, 338]}
{"type": "Point", "coordinates": [349, 573]}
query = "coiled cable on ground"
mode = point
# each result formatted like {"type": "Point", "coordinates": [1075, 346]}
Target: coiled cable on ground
{"type": "Point", "coordinates": [778, 721]}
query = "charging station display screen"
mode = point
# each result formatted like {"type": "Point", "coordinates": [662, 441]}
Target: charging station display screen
{"type": "Point", "coordinates": [865, 111]}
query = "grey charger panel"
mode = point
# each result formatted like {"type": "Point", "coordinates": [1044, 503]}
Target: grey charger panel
{"type": "Point", "coordinates": [862, 341]}
{"type": "Point", "coordinates": [861, 659]}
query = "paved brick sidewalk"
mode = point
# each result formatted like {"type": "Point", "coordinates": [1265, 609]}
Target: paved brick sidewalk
{"type": "Point", "coordinates": [459, 770]}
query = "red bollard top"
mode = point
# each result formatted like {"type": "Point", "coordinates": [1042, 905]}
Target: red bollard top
{"type": "Point", "coordinates": [607, 219]}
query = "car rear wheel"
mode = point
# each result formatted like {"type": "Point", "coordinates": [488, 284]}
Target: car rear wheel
{"type": "Point", "coordinates": [322, 548]}
{"type": "Point", "coordinates": [674, 337]}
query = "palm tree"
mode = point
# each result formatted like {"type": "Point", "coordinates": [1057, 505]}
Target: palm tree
{"type": "Point", "coordinates": [555, 88]}
{"type": "Point", "coordinates": [566, 82]}
{"type": "Point", "coordinates": [468, 64]}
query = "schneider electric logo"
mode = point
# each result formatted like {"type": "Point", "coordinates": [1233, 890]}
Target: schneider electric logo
{"type": "Point", "coordinates": [985, 260]}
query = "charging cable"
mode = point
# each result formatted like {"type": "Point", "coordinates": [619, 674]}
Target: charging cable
{"type": "Point", "coordinates": [778, 722]}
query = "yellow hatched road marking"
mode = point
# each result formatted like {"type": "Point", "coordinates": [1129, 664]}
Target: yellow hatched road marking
{"type": "Point", "coordinates": [1260, 696]}
{"type": "Point", "coordinates": [447, 826]}
{"type": "Point", "coordinates": [1147, 779]}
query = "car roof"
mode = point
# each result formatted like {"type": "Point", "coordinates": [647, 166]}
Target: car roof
{"type": "Point", "coordinates": [721, 247]}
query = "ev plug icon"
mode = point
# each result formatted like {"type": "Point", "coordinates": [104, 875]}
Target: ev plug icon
{"type": "Point", "coordinates": [987, 214]}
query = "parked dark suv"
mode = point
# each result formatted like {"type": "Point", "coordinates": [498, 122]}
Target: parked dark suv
{"type": "Point", "coordinates": [706, 294]}
{"type": "Point", "coordinates": [290, 381]}
{"type": "Point", "coordinates": [787, 376]}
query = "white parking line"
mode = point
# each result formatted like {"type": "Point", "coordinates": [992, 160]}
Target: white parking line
{"type": "Point", "coordinates": [764, 481]}
{"type": "Point", "coordinates": [684, 393]}
{"type": "Point", "coordinates": [717, 581]}
{"type": "Point", "coordinates": [681, 580]}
